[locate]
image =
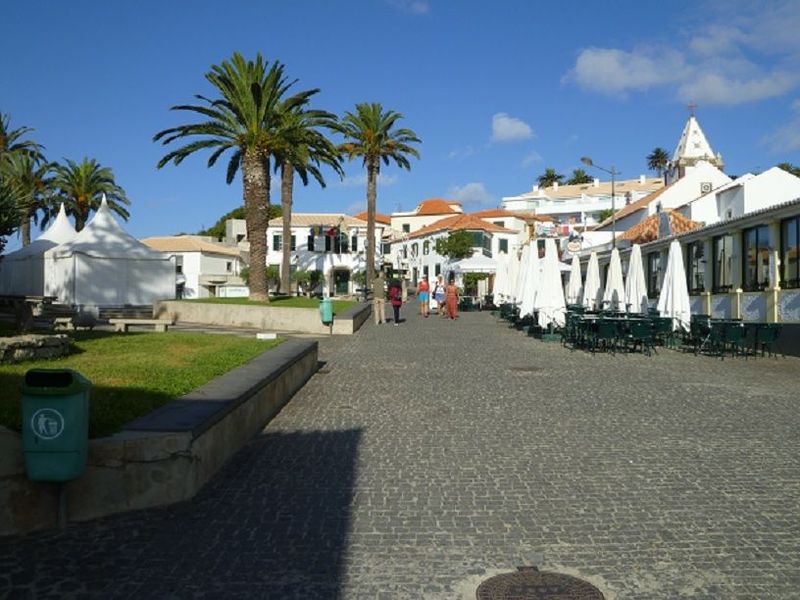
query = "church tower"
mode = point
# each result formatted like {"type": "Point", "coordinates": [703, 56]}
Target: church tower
{"type": "Point", "coordinates": [693, 147]}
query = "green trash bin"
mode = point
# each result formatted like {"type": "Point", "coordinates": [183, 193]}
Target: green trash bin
{"type": "Point", "coordinates": [55, 424]}
{"type": "Point", "coordinates": [326, 310]}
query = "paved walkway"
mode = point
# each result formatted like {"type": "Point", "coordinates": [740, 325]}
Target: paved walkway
{"type": "Point", "coordinates": [423, 458]}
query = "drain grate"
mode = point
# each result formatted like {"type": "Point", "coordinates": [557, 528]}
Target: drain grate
{"type": "Point", "coordinates": [529, 583]}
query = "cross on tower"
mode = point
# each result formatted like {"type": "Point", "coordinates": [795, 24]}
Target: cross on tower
{"type": "Point", "coordinates": [691, 106]}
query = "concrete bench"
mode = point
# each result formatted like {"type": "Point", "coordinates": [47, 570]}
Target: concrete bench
{"type": "Point", "coordinates": [123, 324]}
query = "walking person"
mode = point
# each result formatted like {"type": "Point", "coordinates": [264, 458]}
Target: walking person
{"type": "Point", "coordinates": [396, 299]}
{"type": "Point", "coordinates": [379, 298]}
{"type": "Point", "coordinates": [451, 299]}
{"type": "Point", "coordinates": [438, 295]}
{"type": "Point", "coordinates": [423, 294]}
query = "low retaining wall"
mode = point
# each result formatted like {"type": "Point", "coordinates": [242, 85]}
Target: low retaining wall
{"type": "Point", "coordinates": [299, 320]}
{"type": "Point", "coordinates": [33, 347]}
{"type": "Point", "coordinates": [163, 457]}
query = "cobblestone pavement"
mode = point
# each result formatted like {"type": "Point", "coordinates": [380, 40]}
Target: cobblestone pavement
{"type": "Point", "coordinates": [424, 458]}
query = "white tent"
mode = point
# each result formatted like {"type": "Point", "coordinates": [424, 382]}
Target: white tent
{"type": "Point", "coordinates": [501, 289]}
{"type": "Point", "coordinates": [674, 299]}
{"type": "Point", "coordinates": [22, 272]}
{"type": "Point", "coordinates": [592, 293]}
{"type": "Point", "coordinates": [614, 295]}
{"type": "Point", "coordinates": [531, 286]}
{"type": "Point", "coordinates": [550, 296]}
{"type": "Point", "coordinates": [522, 274]}
{"type": "Point", "coordinates": [574, 287]}
{"type": "Point", "coordinates": [105, 266]}
{"type": "Point", "coordinates": [635, 285]}
{"type": "Point", "coordinates": [474, 264]}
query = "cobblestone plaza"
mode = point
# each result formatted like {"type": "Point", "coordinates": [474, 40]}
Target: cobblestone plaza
{"type": "Point", "coordinates": [424, 458]}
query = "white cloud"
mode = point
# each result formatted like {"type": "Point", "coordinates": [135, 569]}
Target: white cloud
{"type": "Point", "coordinates": [461, 153]}
{"type": "Point", "coordinates": [509, 129]}
{"type": "Point", "coordinates": [786, 138]}
{"type": "Point", "coordinates": [414, 7]}
{"type": "Point", "coordinates": [743, 54]}
{"type": "Point", "coordinates": [531, 158]}
{"type": "Point", "coordinates": [361, 180]}
{"type": "Point", "coordinates": [471, 193]}
{"type": "Point", "coordinates": [616, 72]}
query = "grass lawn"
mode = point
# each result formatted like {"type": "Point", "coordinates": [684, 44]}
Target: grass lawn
{"type": "Point", "coordinates": [282, 302]}
{"type": "Point", "coordinates": [134, 373]}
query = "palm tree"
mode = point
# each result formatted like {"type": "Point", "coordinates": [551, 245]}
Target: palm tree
{"type": "Point", "coordinates": [304, 149]}
{"type": "Point", "coordinates": [579, 176]}
{"type": "Point", "coordinates": [11, 139]}
{"type": "Point", "coordinates": [370, 133]}
{"type": "Point", "coordinates": [658, 160]}
{"type": "Point", "coordinates": [29, 182]}
{"type": "Point", "coordinates": [549, 178]}
{"type": "Point", "coordinates": [244, 120]}
{"type": "Point", "coordinates": [81, 187]}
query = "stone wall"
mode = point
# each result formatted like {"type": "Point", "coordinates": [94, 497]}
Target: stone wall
{"type": "Point", "coordinates": [33, 347]}
{"type": "Point", "coordinates": [269, 318]}
{"type": "Point", "coordinates": [164, 457]}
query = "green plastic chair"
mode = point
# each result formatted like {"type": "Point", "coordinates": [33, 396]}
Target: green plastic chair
{"type": "Point", "coordinates": [641, 333]}
{"type": "Point", "coordinates": [766, 337]}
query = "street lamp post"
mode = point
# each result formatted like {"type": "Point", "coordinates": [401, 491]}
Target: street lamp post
{"type": "Point", "coordinates": [613, 172]}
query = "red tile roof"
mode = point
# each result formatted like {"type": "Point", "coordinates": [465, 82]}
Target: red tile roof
{"type": "Point", "coordinates": [647, 230]}
{"type": "Point", "coordinates": [458, 222]}
{"type": "Point", "coordinates": [492, 213]}
{"type": "Point", "coordinates": [436, 206]}
{"type": "Point", "coordinates": [379, 218]}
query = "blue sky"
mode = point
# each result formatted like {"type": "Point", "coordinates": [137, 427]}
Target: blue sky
{"type": "Point", "coordinates": [497, 91]}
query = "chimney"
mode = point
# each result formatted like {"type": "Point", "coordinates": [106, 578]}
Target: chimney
{"type": "Point", "coordinates": [535, 188]}
{"type": "Point", "coordinates": [595, 182]}
{"type": "Point", "coordinates": [641, 179]}
{"type": "Point", "coordinates": [555, 185]}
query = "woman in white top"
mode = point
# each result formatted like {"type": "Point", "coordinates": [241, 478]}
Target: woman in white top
{"type": "Point", "coordinates": [438, 295]}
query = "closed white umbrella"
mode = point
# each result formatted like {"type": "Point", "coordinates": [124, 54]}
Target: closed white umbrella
{"type": "Point", "coordinates": [531, 288]}
{"type": "Point", "coordinates": [592, 293]}
{"type": "Point", "coordinates": [500, 282]}
{"type": "Point", "coordinates": [574, 287]}
{"type": "Point", "coordinates": [614, 294]}
{"type": "Point", "coordinates": [674, 298]}
{"type": "Point", "coordinates": [635, 285]}
{"type": "Point", "coordinates": [522, 275]}
{"type": "Point", "coordinates": [550, 297]}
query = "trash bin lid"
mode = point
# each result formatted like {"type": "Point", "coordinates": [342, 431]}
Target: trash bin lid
{"type": "Point", "coordinates": [54, 382]}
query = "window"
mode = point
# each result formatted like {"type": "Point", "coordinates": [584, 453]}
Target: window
{"type": "Point", "coordinates": [499, 223]}
{"type": "Point", "coordinates": [387, 248]}
{"type": "Point", "coordinates": [653, 262]}
{"type": "Point", "coordinates": [425, 270]}
{"type": "Point", "coordinates": [339, 243]}
{"type": "Point", "coordinates": [406, 228]}
{"type": "Point", "coordinates": [328, 243]}
{"type": "Point", "coordinates": [354, 243]}
{"type": "Point", "coordinates": [722, 276]}
{"type": "Point", "coordinates": [310, 243]}
{"type": "Point", "coordinates": [426, 247]}
{"type": "Point", "coordinates": [790, 249]}
{"type": "Point", "coordinates": [277, 242]}
{"type": "Point", "coordinates": [414, 249]}
{"type": "Point", "coordinates": [438, 270]}
{"type": "Point", "coordinates": [179, 264]}
{"type": "Point", "coordinates": [293, 243]}
{"type": "Point", "coordinates": [503, 247]}
{"type": "Point", "coordinates": [695, 267]}
{"type": "Point", "coordinates": [228, 266]}
{"type": "Point", "coordinates": [755, 268]}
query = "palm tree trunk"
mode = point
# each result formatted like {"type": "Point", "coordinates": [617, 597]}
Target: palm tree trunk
{"type": "Point", "coordinates": [255, 183]}
{"type": "Point", "coordinates": [373, 167]}
{"type": "Point", "coordinates": [287, 184]}
{"type": "Point", "coordinates": [25, 226]}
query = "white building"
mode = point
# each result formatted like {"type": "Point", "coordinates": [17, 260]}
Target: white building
{"type": "Point", "coordinates": [582, 203]}
{"type": "Point", "coordinates": [416, 253]}
{"type": "Point", "coordinates": [744, 195]}
{"type": "Point", "coordinates": [334, 244]}
{"type": "Point", "coordinates": [427, 212]}
{"type": "Point", "coordinates": [203, 268]}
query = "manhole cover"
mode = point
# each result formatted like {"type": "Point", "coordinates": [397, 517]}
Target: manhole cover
{"type": "Point", "coordinates": [528, 583]}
